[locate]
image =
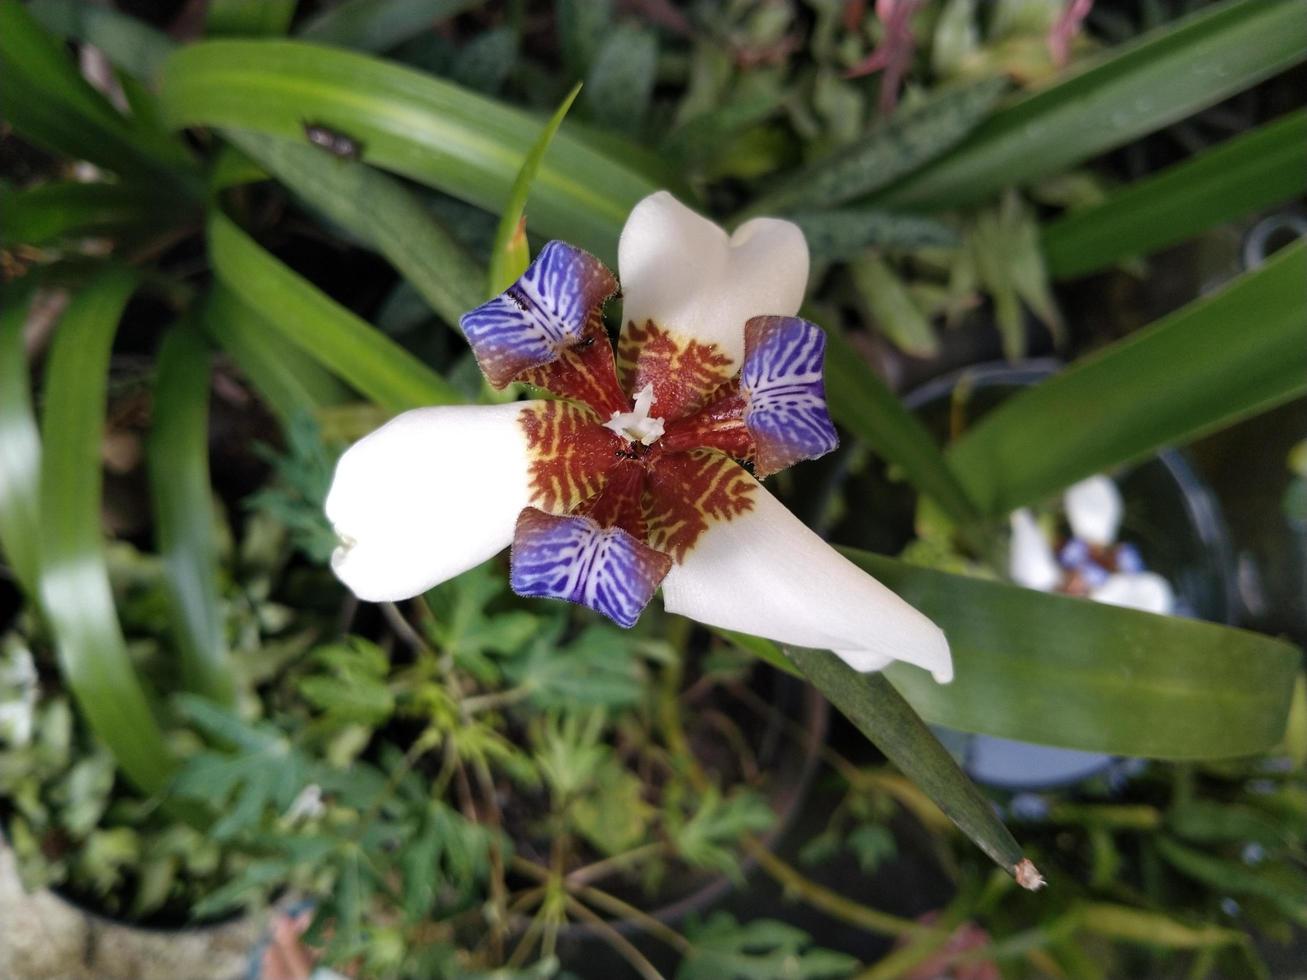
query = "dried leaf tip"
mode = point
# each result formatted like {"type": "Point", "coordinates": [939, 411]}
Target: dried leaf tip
{"type": "Point", "coordinates": [1028, 876]}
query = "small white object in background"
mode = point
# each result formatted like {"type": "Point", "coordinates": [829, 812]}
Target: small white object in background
{"type": "Point", "coordinates": [18, 695]}
{"type": "Point", "coordinates": [1031, 561]}
{"type": "Point", "coordinates": [1093, 509]}
{"type": "Point", "coordinates": [1146, 591]}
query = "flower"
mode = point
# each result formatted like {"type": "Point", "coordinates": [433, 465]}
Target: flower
{"type": "Point", "coordinates": [628, 480]}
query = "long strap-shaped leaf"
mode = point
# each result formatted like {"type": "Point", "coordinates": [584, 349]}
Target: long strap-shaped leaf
{"type": "Point", "coordinates": [1159, 79]}
{"type": "Point", "coordinates": [1217, 360]}
{"type": "Point", "coordinates": [1083, 675]}
{"type": "Point", "coordinates": [880, 712]}
{"type": "Point", "coordinates": [350, 347]}
{"type": "Point", "coordinates": [74, 581]}
{"type": "Point", "coordinates": [131, 44]}
{"type": "Point", "coordinates": [408, 122]}
{"type": "Point", "coordinates": [20, 449]}
{"type": "Point", "coordinates": [381, 211]}
{"type": "Point", "coordinates": [378, 25]}
{"type": "Point", "coordinates": [1241, 176]}
{"type": "Point", "coordinates": [183, 512]}
{"type": "Point", "coordinates": [59, 210]}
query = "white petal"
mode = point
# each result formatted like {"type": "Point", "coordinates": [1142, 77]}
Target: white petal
{"type": "Point", "coordinates": [1031, 561]}
{"type": "Point", "coordinates": [687, 275]}
{"type": "Point", "coordinates": [1146, 591]}
{"type": "Point", "coordinates": [1093, 509]}
{"type": "Point", "coordinates": [430, 494]}
{"type": "Point", "coordinates": [767, 574]}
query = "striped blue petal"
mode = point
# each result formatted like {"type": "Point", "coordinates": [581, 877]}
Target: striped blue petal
{"type": "Point", "coordinates": [545, 311]}
{"type": "Point", "coordinates": [575, 559]}
{"type": "Point", "coordinates": [785, 395]}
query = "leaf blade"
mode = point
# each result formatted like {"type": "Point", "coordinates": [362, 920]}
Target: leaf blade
{"type": "Point", "coordinates": [20, 451]}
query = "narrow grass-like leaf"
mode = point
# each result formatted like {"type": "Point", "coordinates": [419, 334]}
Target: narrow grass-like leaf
{"type": "Point", "coordinates": [907, 140]}
{"type": "Point", "coordinates": [378, 25]}
{"type": "Point", "coordinates": [511, 253]}
{"type": "Point", "coordinates": [1221, 358]}
{"type": "Point", "coordinates": [408, 122]}
{"type": "Point", "coordinates": [880, 712]}
{"type": "Point", "coordinates": [845, 232]}
{"type": "Point", "coordinates": [1082, 675]}
{"type": "Point", "coordinates": [1241, 176]}
{"type": "Point", "coordinates": [1160, 78]}
{"type": "Point", "coordinates": [1125, 924]}
{"type": "Point", "coordinates": [59, 210]}
{"type": "Point", "coordinates": [249, 17]}
{"type": "Point", "coordinates": [46, 100]}
{"type": "Point", "coordinates": [379, 210]}
{"type": "Point", "coordinates": [863, 404]}
{"type": "Point", "coordinates": [285, 377]}
{"type": "Point", "coordinates": [131, 44]}
{"type": "Point", "coordinates": [178, 456]}
{"type": "Point", "coordinates": [348, 346]}
{"type": "Point", "coordinates": [75, 593]}
{"type": "Point", "coordinates": [885, 296]}
{"type": "Point", "coordinates": [20, 449]}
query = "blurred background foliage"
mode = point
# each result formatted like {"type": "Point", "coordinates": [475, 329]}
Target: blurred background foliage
{"type": "Point", "coordinates": [236, 236]}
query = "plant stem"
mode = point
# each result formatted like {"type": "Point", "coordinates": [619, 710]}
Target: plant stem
{"type": "Point", "coordinates": [601, 869]}
{"type": "Point", "coordinates": [616, 940]}
{"type": "Point", "coordinates": [655, 927]}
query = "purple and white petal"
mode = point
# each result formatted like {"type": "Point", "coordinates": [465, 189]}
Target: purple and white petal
{"type": "Point", "coordinates": [430, 494]}
{"type": "Point", "coordinates": [784, 392]}
{"type": "Point", "coordinates": [766, 573]}
{"type": "Point", "coordinates": [575, 559]}
{"type": "Point", "coordinates": [546, 310]}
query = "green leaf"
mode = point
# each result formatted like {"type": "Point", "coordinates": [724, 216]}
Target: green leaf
{"type": "Point", "coordinates": [130, 44]}
{"type": "Point", "coordinates": [1160, 78]}
{"type": "Point", "coordinates": [75, 593]}
{"type": "Point", "coordinates": [465, 144]}
{"type": "Point", "coordinates": [871, 702]}
{"type": "Point", "coordinates": [1082, 675]}
{"type": "Point", "coordinates": [352, 687]}
{"type": "Point", "coordinates": [20, 450]}
{"type": "Point", "coordinates": [381, 211]}
{"type": "Point", "coordinates": [45, 99]}
{"type": "Point", "coordinates": [378, 25]}
{"type": "Point", "coordinates": [178, 456]}
{"type": "Point", "coordinates": [710, 837]}
{"type": "Point", "coordinates": [897, 146]}
{"type": "Point", "coordinates": [292, 383]}
{"type": "Point", "coordinates": [1255, 170]}
{"type": "Point", "coordinates": [582, 26]}
{"type": "Point", "coordinates": [846, 232]}
{"type": "Point", "coordinates": [619, 85]}
{"type": "Point", "coordinates": [253, 17]}
{"type": "Point", "coordinates": [350, 347]}
{"type": "Point", "coordinates": [52, 212]}
{"type": "Point", "coordinates": [764, 949]}
{"type": "Point", "coordinates": [511, 252]}
{"type": "Point", "coordinates": [1125, 924]}
{"type": "Point", "coordinates": [862, 403]}
{"type": "Point", "coordinates": [1222, 358]}
{"type": "Point", "coordinates": [885, 296]}
{"type": "Point", "coordinates": [1287, 893]}
{"type": "Point", "coordinates": [600, 668]}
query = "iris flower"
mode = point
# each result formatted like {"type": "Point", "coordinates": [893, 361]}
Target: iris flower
{"type": "Point", "coordinates": [628, 478]}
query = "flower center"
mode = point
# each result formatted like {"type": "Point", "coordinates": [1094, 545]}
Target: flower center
{"type": "Point", "coordinates": [636, 425]}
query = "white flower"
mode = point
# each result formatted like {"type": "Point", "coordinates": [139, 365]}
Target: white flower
{"type": "Point", "coordinates": [1146, 591]}
{"type": "Point", "coordinates": [1093, 509]}
{"type": "Point", "coordinates": [629, 481]}
{"type": "Point", "coordinates": [1031, 561]}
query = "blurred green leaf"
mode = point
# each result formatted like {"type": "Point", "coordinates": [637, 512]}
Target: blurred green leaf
{"type": "Point", "coordinates": [75, 593]}
{"type": "Point", "coordinates": [248, 17]}
{"type": "Point", "coordinates": [382, 212]}
{"type": "Point", "coordinates": [873, 704]}
{"type": "Point", "coordinates": [1287, 893]}
{"type": "Point", "coordinates": [290, 381]}
{"type": "Point", "coordinates": [378, 25]}
{"type": "Point", "coordinates": [1160, 78]}
{"type": "Point", "coordinates": [582, 26]}
{"type": "Point", "coordinates": [46, 100]}
{"type": "Point", "coordinates": [899, 145]}
{"type": "Point", "coordinates": [20, 449]}
{"type": "Point", "coordinates": [1082, 675]}
{"type": "Point", "coordinates": [600, 668]}
{"type": "Point", "coordinates": [511, 253]}
{"type": "Point", "coordinates": [710, 837]}
{"type": "Point", "coordinates": [1126, 924]}
{"type": "Point", "coordinates": [130, 44]}
{"type": "Point", "coordinates": [352, 686]}
{"type": "Point", "coordinates": [485, 61]}
{"type": "Point", "coordinates": [408, 122]}
{"type": "Point", "coordinates": [1219, 359]}
{"type": "Point", "coordinates": [846, 232]}
{"type": "Point", "coordinates": [1243, 175]}
{"type": "Point", "coordinates": [862, 403]}
{"type": "Point", "coordinates": [764, 949]}
{"type": "Point", "coordinates": [886, 298]}
{"type": "Point", "coordinates": [1210, 822]}
{"type": "Point", "coordinates": [350, 347]}
{"type": "Point", "coordinates": [619, 84]}
{"type": "Point", "coordinates": [47, 213]}
{"type": "Point", "coordinates": [178, 456]}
